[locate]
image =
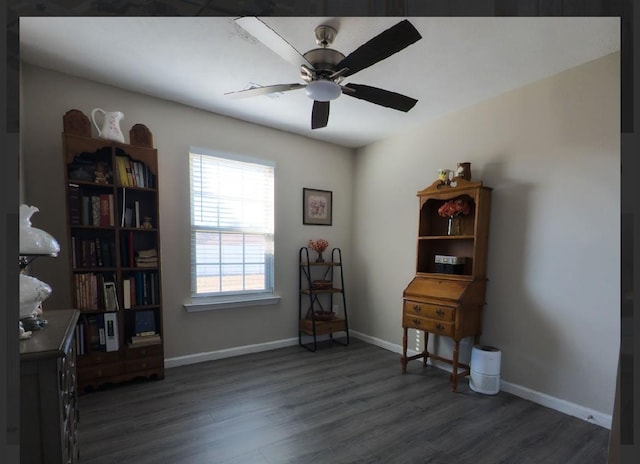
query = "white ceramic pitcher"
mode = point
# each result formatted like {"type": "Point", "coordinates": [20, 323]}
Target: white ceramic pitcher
{"type": "Point", "coordinates": [110, 124]}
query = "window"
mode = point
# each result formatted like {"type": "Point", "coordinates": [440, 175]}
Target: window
{"type": "Point", "coordinates": [231, 228]}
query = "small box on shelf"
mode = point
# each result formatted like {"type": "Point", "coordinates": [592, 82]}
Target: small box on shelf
{"type": "Point", "coordinates": [449, 264]}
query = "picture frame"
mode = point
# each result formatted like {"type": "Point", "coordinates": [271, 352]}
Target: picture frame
{"type": "Point", "coordinates": [317, 207]}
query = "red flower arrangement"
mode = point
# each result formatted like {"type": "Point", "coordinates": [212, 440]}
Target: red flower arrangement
{"type": "Point", "coordinates": [455, 207]}
{"type": "Point", "coordinates": [318, 245]}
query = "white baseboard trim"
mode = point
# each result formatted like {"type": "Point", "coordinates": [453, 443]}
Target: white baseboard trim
{"type": "Point", "coordinates": [563, 406]}
{"type": "Point", "coordinates": [566, 407]}
{"type": "Point", "coordinates": [227, 353]}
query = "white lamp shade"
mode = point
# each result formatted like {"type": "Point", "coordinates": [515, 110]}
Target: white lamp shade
{"type": "Point", "coordinates": [34, 241]}
{"type": "Point", "coordinates": [323, 90]}
{"type": "Point", "coordinates": [32, 293]}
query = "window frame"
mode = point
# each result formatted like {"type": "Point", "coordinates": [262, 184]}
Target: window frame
{"type": "Point", "coordinates": [243, 298]}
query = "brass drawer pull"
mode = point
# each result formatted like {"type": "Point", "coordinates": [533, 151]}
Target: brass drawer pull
{"type": "Point", "coordinates": [416, 321]}
{"type": "Point", "coordinates": [416, 308]}
{"type": "Point", "coordinates": [439, 326]}
{"type": "Point", "coordinates": [440, 312]}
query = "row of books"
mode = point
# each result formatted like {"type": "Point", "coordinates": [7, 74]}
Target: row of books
{"type": "Point", "coordinates": [98, 291]}
{"type": "Point", "coordinates": [101, 332]}
{"type": "Point", "coordinates": [90, 210]}
{"type": "Point", "coordinates": [133, 173]}
{"type": "Point", "coordinates": [92, 252]}
{"type": "Point", "coordinates": [95, 292]}
{"type": "Point", "coordinates": [98, 332]}
{"type": "Point", "coordinates": [140, 289]}
{"type": "Point", "coordinates": [98, 252]}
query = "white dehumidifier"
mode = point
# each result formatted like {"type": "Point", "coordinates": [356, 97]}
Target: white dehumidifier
{"type": "Point", "coordinates": [485, 369]}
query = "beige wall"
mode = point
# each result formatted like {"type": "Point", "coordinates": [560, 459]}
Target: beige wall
{"type": "Point", "coordinates": [551, 151]}
{"type": "Point", "coordinates": [300, 162]}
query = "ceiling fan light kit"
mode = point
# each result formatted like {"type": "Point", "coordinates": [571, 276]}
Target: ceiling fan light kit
{"type": "Point", "coordinates": [323, 69]}
{"type": "Point", "coordinates": [323, 90]}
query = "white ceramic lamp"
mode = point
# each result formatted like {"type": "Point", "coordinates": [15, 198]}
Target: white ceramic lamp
{"type": "Point", "coordinates": [33, 242]}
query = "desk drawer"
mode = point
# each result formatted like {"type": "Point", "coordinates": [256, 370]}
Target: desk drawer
{"type": "Point", "coordinates": [441, 313]}
{"type": "Point", "coordinates": [428, 325]}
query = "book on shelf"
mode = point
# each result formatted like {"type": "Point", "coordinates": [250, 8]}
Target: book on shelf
{"type": "Point", "coordinates": [92, 334]}
{"type": "Point", "coordinates": [151, 253]}
{"type": "Point", "coordinates": [98, 252]}
{"type": "Point", "coordinates": [128, 217]}
{"type": "Point", "coordinates": [137, 172]}
{"type": "Point", "coordinates": [130, 179]}
{"type": "Point", "coordinates": [136, 207]}
{"type": "Point", "coordinates": [124, 206]}
{"type": "Point", "coordinates": [111, 331]}
{"type": "Point", "coordinates": [143, 340]}
{"type": "Point", "coordinates": [126, 293]}
{"type": "Point", "coordinates": [134, 301]}
{"type": "Point", "coordinates": [85, 207]}
{"type": "Point", "coordinates": [145, 322]}
{"type": "Point", "coordinates": [112, 213]}
{"type": "Point", "coordinates": [74, 257]}
{"type": "Point", "coordinates": [121, 162]}
{"type": "Point", "coordinates": [95, 210]}
{"type": "Point", "coordinates": [105, 211]}
{"type": "Point", "coordinates": [147, 258]}
{"type": "Point", "coordinates": [75, 207]}
{"type": "Point", "coordinates": [102, 336]}
{"type": "Point", "coordinates": [110, 296]}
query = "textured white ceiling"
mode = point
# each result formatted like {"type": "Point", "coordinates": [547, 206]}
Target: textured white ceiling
{"type": "Point", "coordinates": [195, 61]}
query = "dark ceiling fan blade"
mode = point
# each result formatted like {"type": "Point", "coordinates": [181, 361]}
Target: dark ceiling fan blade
{"type": "Point", "coordinates": [380, 47]}
{"type": "Point", "coordinates": [258, 29]}
{"type": "Point", "coordinates": [319, 114]}
{"type": "Point", "coordinates": [379, 96]}
{"type": "Point", "coordinates": [267, 89]}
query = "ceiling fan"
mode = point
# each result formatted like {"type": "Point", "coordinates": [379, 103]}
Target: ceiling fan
{"type": "Point", "coordinates": [323, 69]}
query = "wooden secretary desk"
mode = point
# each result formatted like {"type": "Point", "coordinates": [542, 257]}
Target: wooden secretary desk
{"type": "Point", "coordinates": [447, 299]}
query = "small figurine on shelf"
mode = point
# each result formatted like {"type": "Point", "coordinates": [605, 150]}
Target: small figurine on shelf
{"type": "Point", "coordinates": [443, 175]}
{"type": "Point", "coordinates": [146, 224]}
{"type": "Point", "coordinates": [464, 170]}
{"type": "Point", "coordinates": [101, 173]}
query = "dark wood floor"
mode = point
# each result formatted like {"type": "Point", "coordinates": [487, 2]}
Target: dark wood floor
{"type": "Point", "coordinates": [338, 405]}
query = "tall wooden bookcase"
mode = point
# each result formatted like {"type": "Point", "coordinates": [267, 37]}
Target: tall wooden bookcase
{"type": "Point", "coordinates": [436, 301]}
{"type": "Point", "coordinates": [114, 253]}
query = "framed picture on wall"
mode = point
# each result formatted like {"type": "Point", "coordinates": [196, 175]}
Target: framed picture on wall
{"type": "Point", "coordinates": [316, 207]}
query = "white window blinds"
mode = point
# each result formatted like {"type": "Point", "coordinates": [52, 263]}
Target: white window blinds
{"type": "Point", "coordinates": [231, 224]}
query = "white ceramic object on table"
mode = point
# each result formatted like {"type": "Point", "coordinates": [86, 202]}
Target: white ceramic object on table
{"type": "Point", "coordinates": [34, 241]}
{"type": "Point", "coordinates": [32, 293]}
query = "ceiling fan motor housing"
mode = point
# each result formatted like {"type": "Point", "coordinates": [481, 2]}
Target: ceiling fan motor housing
{"type": "Point", "coordinates": [324, 60]}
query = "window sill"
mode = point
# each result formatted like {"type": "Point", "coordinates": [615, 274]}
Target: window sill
{"type": "Point", "coordinates": [205, 304]}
